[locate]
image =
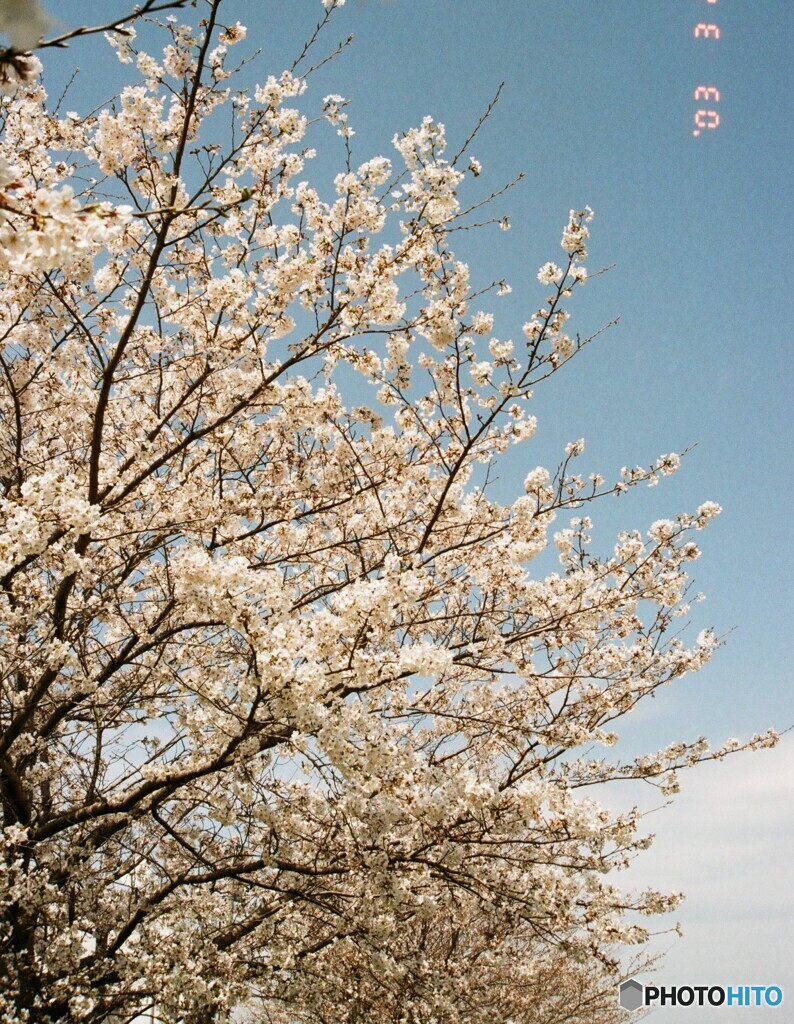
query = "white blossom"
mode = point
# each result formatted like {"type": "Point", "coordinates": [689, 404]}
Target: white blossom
{"type": "Point", "coordinates": [24, 22]}
{"type": "Point", "coordinates": [550, 273]}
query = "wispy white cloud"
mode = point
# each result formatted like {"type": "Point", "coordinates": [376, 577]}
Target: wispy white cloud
{"type": "Point", "coordinates": [728, 842]}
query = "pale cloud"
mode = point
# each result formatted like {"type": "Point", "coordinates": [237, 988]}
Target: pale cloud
{"type": "Point", "coordinates": [727, 842]}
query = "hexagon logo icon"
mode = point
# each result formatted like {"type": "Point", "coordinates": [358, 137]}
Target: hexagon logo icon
{"type": "Point", "coordinates": [630, 994]}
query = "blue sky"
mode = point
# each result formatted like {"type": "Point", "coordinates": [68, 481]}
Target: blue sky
{"type": "Point", "coordinates": [598, 108]}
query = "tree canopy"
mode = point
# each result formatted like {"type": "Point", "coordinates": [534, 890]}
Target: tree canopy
{"type": "Point", "coordinates": [290, 719]}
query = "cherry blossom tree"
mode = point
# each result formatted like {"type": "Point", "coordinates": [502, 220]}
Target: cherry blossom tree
{"type": "Point", "coordinates": [464, 964]}
{"type": "Point", "coordinates": [290, 719]}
